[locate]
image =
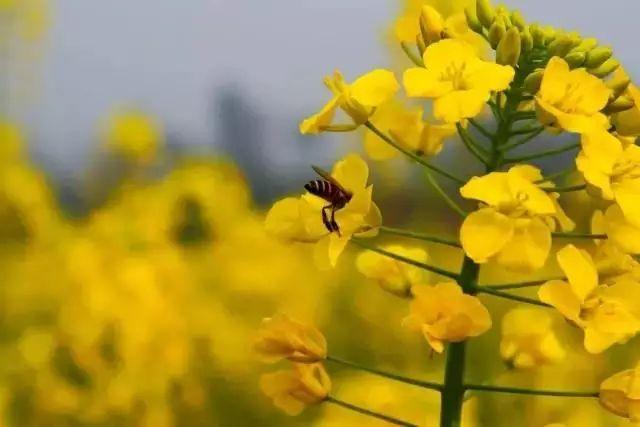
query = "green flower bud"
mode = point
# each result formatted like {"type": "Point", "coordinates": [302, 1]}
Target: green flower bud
{"type": "Point", "coordinates": [527, 40]}
{"type": "Point", "coordinates": [618, 84]}
{"type": "Point", "coordinates": [537, 34]}
{"type": "Point", "coordinates": [586, 45]}
{"type": "Point", "coordinates": [598, 56]}
{"type": "Point", "coordinates": [620, 104]}
{"type": "Point", "coordinates": [421, 45]}
{"type": "Point", "coordinates": [533, 81]}
{"type": "Point", "coordinates": [508, 51]}
{"type": "Point", "coordinates": [497, 32]}
{"type": "Point", "coordinates": [561, 45]}
{"type": "Point", "coordinates": [472, 20]}
{"type": "Point", "coordinates": [575, 59]}
{"type": "Point", "coordinates": [518, 20]}
{"type": "Point", "coordinates": [550, 34]}
{"type": "Point", "coordinates": [608, 67]}
{"type": "Point", "coordinates": [486, 13]}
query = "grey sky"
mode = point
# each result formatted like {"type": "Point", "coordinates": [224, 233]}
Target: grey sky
{"type": "Point", "coordinates": [168, 56]}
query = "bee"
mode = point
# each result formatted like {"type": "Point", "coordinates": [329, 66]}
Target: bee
{"type": "Point", "coordinates": [330, 190]}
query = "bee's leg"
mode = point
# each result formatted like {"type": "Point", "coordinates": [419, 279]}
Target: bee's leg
{"type": "Point", "coordinates": [334, 224]}
{"type": "Point", "coordinates": [325, 219]}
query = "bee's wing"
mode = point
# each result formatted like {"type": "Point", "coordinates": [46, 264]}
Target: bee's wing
{"type": "Point", "coordinates": [327, 177]}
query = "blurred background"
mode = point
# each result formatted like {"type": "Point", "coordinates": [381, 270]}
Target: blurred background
{"type": "Point", "coordinates": [141, 142]}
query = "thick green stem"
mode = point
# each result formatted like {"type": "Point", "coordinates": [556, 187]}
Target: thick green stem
{"type": "Point", "coordinates": [453, 390]}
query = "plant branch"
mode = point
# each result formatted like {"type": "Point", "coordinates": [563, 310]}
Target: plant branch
{"type": "Point", "coordinates": [567, 189]}
{"type": "Point", "coordinates": [579, 236]}
{"type": "Point", "coordinates": [448, 200]}
{"type": "Point", "coordinates": [522, 141]}
{"type": "Point", "coordinates": [413, 156]}
{"type": "Point", "coordinates": [521, 285]}
{"type": "Point", "coordinates": [505, 295]}
{"type": "Point", "coordinates": [542, 154]}
{"type": "Point", "coordinates": [420, 236]}
{"type": "Point", "coordinates": [368, 412]}
{"type": "Point", "coordinates": [471, 146]}
{"type": "Point", "coordinates": [409, 261]}
{"type": "Point", "coordinates": [516, 390]}
{"type": "Point", "coordinates": [411, 54]}
{"type": "Point", "coordinates": [481, 129]}
{"type": "Point", "coordinates": [424, 384]}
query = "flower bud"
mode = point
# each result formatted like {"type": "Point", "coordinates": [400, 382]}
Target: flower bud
{"type": "Point", "coordinates": [550, 34]}
{"type": "Point", "coordinates": [486, 13]}
{"type": "Point", "coordinates": [608, 67]}
{"type": "Point", "coordinates": [508, 51]}
{"type": "Point", "coordinates": [518, 20]}
{"type": "Point", "coordinates": [472, 20]}
{"type": "Point", "coordinates": [537, 34]}
{"type": "Point", "coordinates": [620, 104]}
{"type": "Point", "coordinates": [561, 45]}
{"type": "Point", "coordinates": [598, 56]}
{"type": "Point", "coordinates": [619, 83]}
{"type": "Point", "coordinates": [575, 59]}
{"type": "Point", "coordinates": [586, 45]}
{"type": "Point", "coordinates": [533, 81]}
{"type": "Point", "coordinates": [431, 25]}
{"type": "Point", "coordinates": [527, 40]}
{"type": "Point", "coordinates": [497, 32]}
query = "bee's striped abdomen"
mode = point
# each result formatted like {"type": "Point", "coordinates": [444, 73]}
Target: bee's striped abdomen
{"type": "Point", "coordinates": [321, 188]}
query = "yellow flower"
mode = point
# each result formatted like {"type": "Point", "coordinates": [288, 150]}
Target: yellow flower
{"type": "Point", "coordinates": [300, 219]}
{"type": "Point", "coordinates": [11, 142]}
{"type": "Point", "coordinates": [571, 99]}
{"type": "Point", "coordinates": [292, 391]}
{"type": "Point", "coordinates": [608, 313]}
{"type": "Point", "coordinates": [613, 168]}
{"type": "Point", "coordinates": [442, 313]}
{"type": "Point", "coordinates": [627, 123]}
{"type": "Point", "coordinates": [134, 135]}
{"type": "Point", "coordinates": [284, 338]}
{"type": "Point", "coordinates": [514, 223]}
{"type": "Point", "coordinates": [358, 99]}
{"type": "Point", "coordinates": [622, 233]}
{"type": "Point", "coordinates": [408, 129]}
{"type": "Point", "coordinates": [393, 276]}
{"type": "Point", "coordinates": [620, 394]}
{"type": "Point", "coordinates": [528, 339]}
{"type": "Point", "coordinates": [457, 79]}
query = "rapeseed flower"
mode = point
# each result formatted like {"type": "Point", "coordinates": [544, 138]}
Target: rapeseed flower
{"type": "Point", "coordinates": [358, 100]}
{"type": "Point", "coordinates": [284, 338]}
{"type": "Point", "coordinates": [457, 79]}
{"type": "Point", "coordinates": [608, 312]}
{"type": "Point", "coordinates": [443, 313]}
{"type": "Point", "coordinates": [514, 223]}
{"type": "Point", "coordinates": [571, 100]}
{"type": "Point", "coordinates": [620, 394]}
{"type": "Point", "coordinates": [393, 276]}
{"type": "Point", "coordinates": [300, 219]}
{"type": "Point", "coordinates": [295, 389]}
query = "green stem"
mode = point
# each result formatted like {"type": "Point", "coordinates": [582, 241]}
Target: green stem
{"type": "Point", "coordinates": [580, 236]}
{"type": "Point", "coordinates": [521, 285]}
{"type": "Point", "coordinates": [516, 390]}
{"type": "Point", "coordinates": [521, 141]}
{"type": "Point", "coordinates": [368, 412]}
{"type": "Point", "coordinates": [443, 194]}
{"type": "Point", "coordinates": [411, 54]}
{"type": "Point", "coordinates": [468, 142]}
{"type": "Point", "coordinates": [481, 129]}
{"type": "Point", "coordinates": [409, 261]}
{"type": "Point", "coordinates": [452, 396]}
{"type": "Point", "coordinates": [413, 156]}
{"type": "Point", "coordinates": [542, 154]}
{"type": "Point", "coordinates": [424, 384]}
{"type": "Point", "coordinates": [505, 295]}
{"type": "Point", "coordinates": [420, 236]}
{"type": "Point", "coordinates": [567, 189]}
{"type": "Point", "coordinates": [557, 175]}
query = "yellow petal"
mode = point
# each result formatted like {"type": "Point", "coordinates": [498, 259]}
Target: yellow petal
{"type": "Point", "coordinates": [484, 233]}
{"type": "Point", "coordinates": [620, 231]}
{"type": "Point", "coordinates": [351, 172]}
{"type": "Point", "coordinates": [492, 189]}
{"type": "Point", "coordinates": [284, 221]}
{"type": "Point", "coordinates": [596, 341]}
{"type": "Point", "coordinates": [580, 270]}
{"type": "Point", "coordinates": [458, 105]}
{"type": "Point", "coordinates": [448, 53]}
{"type": "Point", "coordinates": [313, 124]}
{"type": "Point", "coordinates": [627, 195]}
{"type": "Point", "coordinates": [374, 88]}
{"type": "Point", "coordinates": [554, 81]}
{"type": "Point", "coordinates": [559, 294]}
{"type": "Point", "coordinates": [592, 93]}
{"type": "Point", "coordinates": [528, 248]}
{"type": "Point", "coordinates": [491, 77]}
{"type": "Point", "coordinates": [423, 83]}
